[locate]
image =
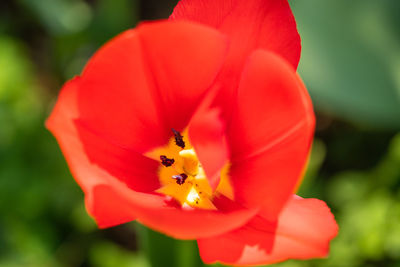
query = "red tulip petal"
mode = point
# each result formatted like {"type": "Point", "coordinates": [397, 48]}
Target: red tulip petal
{"type": "Point", "coordinates": [148, 80]}
{"type": "Point", "coordinates": [129, 108]}
{"type": "Point", "coordinates": [270, 132]}
{"type": "Point", "coordinates": [183, 59]}
{"type": "Point", "coordinates": [116, 100]}
{"type": "Point", "coordinates": [61, 124]}
{"type": "Point", "coordinates": [207, 135]}
{"type": "Point", "coordinates": [111, 202]}
{"type": "Point", "coordinates": [135, 170]}
{"type": "Point", "coordinates": [304, 231]}
{"type": "Point", "coordinates": [153, 211]}
{"type": "Point", "coordinates": [249, 24]}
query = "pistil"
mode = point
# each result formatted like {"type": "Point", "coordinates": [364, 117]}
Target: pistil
{"type": "Point", "coordinates": [190, 162]}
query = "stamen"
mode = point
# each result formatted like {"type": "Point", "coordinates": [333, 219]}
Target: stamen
{"type": "Point", "coordinates": [166, 161]}
{"type": "Point", "coordinates": [180, 178]}
{"type": "Point", "coordinates": [178, 138]}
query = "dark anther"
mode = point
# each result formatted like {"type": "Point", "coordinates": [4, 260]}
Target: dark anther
{"type": "Point", "coordinates": [166, 161]}
{"type": "Point", "coordinates": [180, 178]}
{"type": "Point", "coordinates": [178, 138]}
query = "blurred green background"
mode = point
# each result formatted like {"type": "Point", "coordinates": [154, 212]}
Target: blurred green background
{"type": "Point", "coordinates": [350, 64]}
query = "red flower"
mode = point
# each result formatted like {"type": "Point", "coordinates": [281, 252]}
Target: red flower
{"type": "Point", "coordinates": [200, 133]}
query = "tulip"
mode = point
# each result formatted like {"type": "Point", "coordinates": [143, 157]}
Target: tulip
{"type": "Point", "coordinates": [199, 127]}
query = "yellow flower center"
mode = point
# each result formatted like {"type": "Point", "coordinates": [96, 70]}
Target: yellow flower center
{"type": "Point", "coordinates": [182, 176]}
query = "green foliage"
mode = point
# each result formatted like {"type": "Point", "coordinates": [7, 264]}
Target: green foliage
{"type": "Point", "coordinates": [351, 59]}
{"type": "Point", "coordinates": [59, 16]}
{"type": "Point", "coordinates": [107, 254]}
{"type": "Point", "coordinates": [34, 183]}
{"type": "Point", "coordinates": [162, 250]}
{"type": "Point", "coordinates": [368, 211]}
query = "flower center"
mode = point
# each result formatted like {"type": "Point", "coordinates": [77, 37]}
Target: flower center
{"type": "Point", "coordinates": [184, 179]}
{"type": "Point", "coordinates": [182, 176]}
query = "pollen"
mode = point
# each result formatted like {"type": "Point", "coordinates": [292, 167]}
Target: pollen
{"type": "Point", "coordinates": [182, 176]}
